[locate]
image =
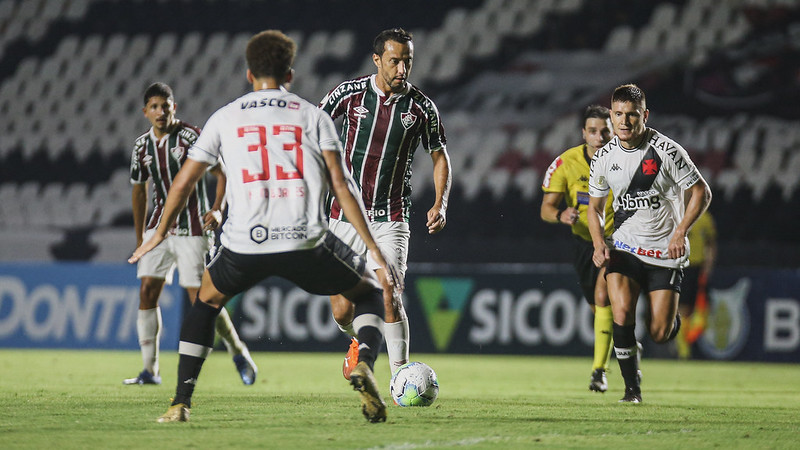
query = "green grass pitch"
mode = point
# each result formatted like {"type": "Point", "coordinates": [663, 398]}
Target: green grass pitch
{"type": "Point", "coordinates": [75, 399]}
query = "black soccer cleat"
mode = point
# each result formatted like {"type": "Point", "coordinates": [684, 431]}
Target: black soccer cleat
{"type": "Point", "coordinates": [632, 395]}
{"type": "Point", "coordinates": [598, 382]}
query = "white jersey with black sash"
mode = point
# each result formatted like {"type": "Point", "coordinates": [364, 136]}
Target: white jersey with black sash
{"type": "Point", "coordinates": [648, 184]}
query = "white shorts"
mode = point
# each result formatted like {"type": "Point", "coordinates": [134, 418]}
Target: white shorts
{"type": "Point", "coordinates": [187, 253]}
{"type": "Point", "coordinates": [391, 237]}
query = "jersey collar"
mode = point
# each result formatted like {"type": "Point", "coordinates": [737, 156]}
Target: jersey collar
{"type": "Point", "coordinates": [394, 98]}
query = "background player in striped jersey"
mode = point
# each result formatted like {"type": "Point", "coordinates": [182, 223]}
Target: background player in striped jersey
{"type": "Point", "coordinates": [658, 195]}
{"type": "Point", "coordinates": [385, 119]}
{"type": "Point", "coordinates": [157, 156]}
{"type": "Point", "coordinates": [567, 181]}
{"type": "Point", "coordinates": [283, 158]}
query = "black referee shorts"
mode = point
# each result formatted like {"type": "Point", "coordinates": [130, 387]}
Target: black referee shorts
{"type": "Point", "coordinates": [327, 269]}
{"type": "Point", "coordinates": [585, 268]}
{"type": "Point", "coordinates": [650, 277]}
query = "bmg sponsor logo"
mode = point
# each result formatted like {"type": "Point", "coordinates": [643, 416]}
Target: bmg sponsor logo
{"type": "Point", "coordinates": [641, 201]}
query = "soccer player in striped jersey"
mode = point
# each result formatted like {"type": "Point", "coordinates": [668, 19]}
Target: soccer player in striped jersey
{"type": "Point", "coordinates": [283, 158]}
{"type": "Point", "coordinates": [567, 182]}
{"type": "Point", "coordinates": [385, 118]}
{"type": "Point", "coordinates": [658, 195]}
{"type": "Point", "coordinates": [158, 156]}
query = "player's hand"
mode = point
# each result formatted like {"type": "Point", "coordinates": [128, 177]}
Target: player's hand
{"type": "Point", "coordinates": [570, 216]}
{"type": "Point", "coordinates": [390, 271]}
{"type": "Point", "coordinates": [601, 256]}
{"type": "Point", "coordinates": [677, 246]}
{"type": "Point", "coordinates": [212, 220]}
{"type": "Point", "coordinates": [437, 219]}
{"type": "Point", "coordinates": [146, 247]}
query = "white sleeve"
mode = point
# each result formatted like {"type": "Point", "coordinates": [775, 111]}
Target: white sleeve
{"type": "Point", "coordinates": [328, 139]}
{"type": "Point", "coordinates": [598, 185]}
{"type": "Point", "coordinates": [682, 169]}
{"type": "Point", "coordinates": [206, 148]}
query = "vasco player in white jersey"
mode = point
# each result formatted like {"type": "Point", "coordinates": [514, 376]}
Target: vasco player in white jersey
{"type": "Point", "coordinates": [283, 158]}
{"type": "Point", "coordinates": [650, 176]}
{"type": "Point", "coordinates": [157, 157]}
{"type": "Point", "coordinates": [385, 120]}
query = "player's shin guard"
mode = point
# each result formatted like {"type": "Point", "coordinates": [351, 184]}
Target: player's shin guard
{"type": "Point", "coordinates": [625, 349]}
{"type": "Point", "coordinates": [368, 324]}
{"type": "Point", "coordinates": [603, 334]}
{"type": "Point", "coordinates": [396, 336]}
{"type": "Point", "coordinates": [196, 342]}
{"type": "Point", "coordinates": [148, 328]}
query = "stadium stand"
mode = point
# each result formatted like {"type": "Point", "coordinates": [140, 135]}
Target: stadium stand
{"type": "Point", "coordinates": [508, 75]}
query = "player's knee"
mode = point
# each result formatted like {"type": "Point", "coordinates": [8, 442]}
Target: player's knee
{"type": "Point", "coordinates": [660, 333]}
{"type": "Point", "coordinates": [342, 310]}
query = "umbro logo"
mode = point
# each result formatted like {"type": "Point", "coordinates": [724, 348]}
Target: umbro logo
{"type": "Point", "coordinates": [361, 112]}
{"type": "Point", "coordinates": [615, 167]}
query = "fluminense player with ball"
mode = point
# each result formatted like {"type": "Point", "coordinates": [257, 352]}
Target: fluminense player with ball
{"type": "Point", "coordinates": [658, 195]}
{"type": "Point", "coordinates": [385, 119]}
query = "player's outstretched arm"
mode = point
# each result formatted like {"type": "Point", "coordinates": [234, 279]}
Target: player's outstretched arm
{"type": "Point", "coordinates": [182, 186]}
{"type": "Point", "coordinates": [442, 180]}
{"type": "Point", "coordinates": [343, 188]}
{"type": "Point", "coordinates": [595, 216]}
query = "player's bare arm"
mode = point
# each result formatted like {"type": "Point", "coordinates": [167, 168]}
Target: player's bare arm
{"type": "Point", "coordinates": [139, 204]}
{"type": "Point", "coordinates": [213, 218]}
{"type": "Point", "coordinates": [442, 180]}
{"type": "Point", "coordinates": [595, 215]}
{"type": "Point", "coordinates": [345, 193]}
{"type": "Point", "coordinates": [551, 201]}
{"type": "Point", "coordinates": [179, 192]}
{"type": "Point", "coordinates": [699, 197]}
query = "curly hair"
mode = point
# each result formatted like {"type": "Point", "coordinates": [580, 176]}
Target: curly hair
{"type": "Point", "coordinates": [271, 54]}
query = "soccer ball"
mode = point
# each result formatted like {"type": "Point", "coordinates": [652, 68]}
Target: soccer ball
{"type": "Point", "coordinates": [414, 384]}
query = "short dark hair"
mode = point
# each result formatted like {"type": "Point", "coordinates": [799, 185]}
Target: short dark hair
{"type": "Point", "coordinates": [270, 54]}
{"type": "Point", "coordinates": [595, 112]}
{"type": "Point", "coordinates": [393, 34]}
{"type": "Point", "coordinates": [158, 90]}
{"type": "Point", "coordinates": [629, 93]}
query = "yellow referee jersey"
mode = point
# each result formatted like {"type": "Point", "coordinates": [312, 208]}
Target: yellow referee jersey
{"type": "Point", "coordinates": [569, 175]}
{"type": "Point", "coordinates": [702, 231]}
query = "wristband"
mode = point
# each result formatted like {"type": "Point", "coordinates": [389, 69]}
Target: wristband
{"type": "Point", "coordinates": [558, 214]}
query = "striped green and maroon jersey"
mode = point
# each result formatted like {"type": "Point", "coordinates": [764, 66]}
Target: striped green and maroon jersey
{"type": "Point", "coordinates": [380, 136]}
{"type": "Point", "coordinates": [160, 160]}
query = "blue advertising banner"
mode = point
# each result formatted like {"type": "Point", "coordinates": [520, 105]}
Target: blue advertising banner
{"type": "Point", "coordinates": [753, 314]}
{"type": "Point", "coordinates": [78, 306]}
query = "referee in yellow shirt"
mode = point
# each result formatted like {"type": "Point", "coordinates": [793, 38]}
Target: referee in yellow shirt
{"type": "Point", "coordinates": [565, 201]}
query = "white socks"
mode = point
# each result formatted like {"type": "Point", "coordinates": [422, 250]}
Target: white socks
{"type": "Point", "coordinates": [148, 327]}
{"type": "Point", "coordinates": [396, 336]}
{"type": "Point", "coordinates": [225, 330]}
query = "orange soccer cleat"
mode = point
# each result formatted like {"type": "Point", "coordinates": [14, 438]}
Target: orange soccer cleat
{"type": "Point", "coordinates": [351, 359]}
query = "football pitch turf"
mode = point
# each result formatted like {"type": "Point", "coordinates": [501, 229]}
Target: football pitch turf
{"type": "Point", "coordinates": [75, 399]}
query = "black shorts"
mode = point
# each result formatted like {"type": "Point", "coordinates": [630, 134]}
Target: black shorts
{"type": "Point", "coordinates": [585, 268]}
{"type": "Point", "coordinates": [327, 269]}
{"type": "Point", "coordinates": [690, 285]}
{"type": "Point", "coordinates": [650, 277]}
